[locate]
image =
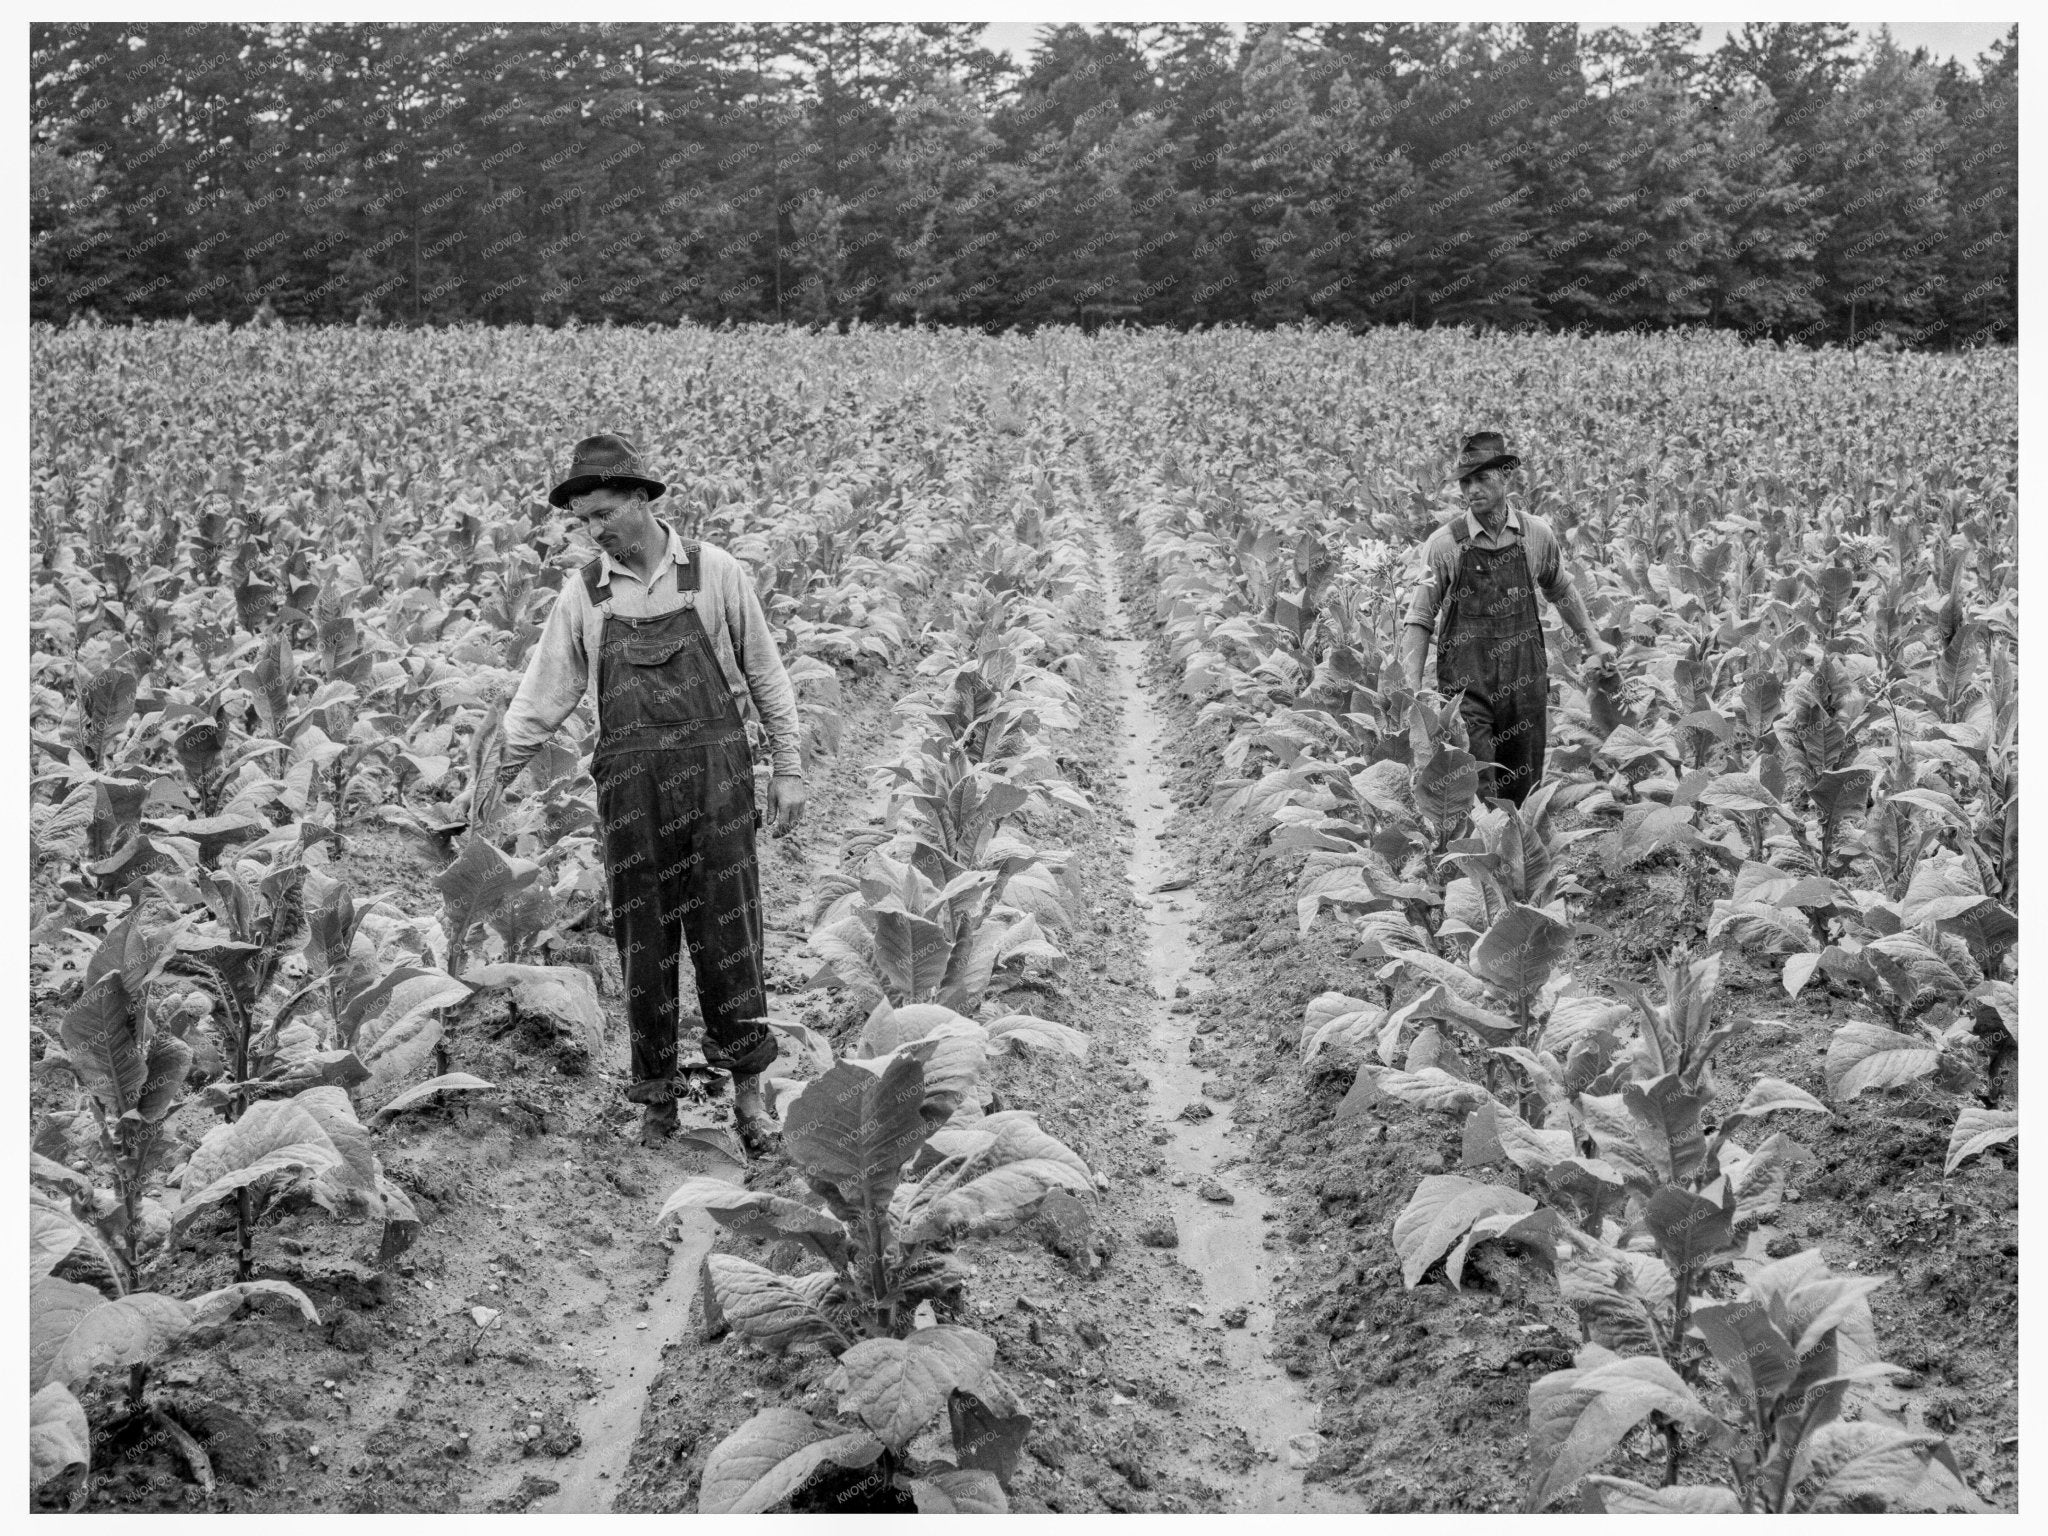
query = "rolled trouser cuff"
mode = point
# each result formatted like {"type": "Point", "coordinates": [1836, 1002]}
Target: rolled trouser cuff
{"type": "Point", "coordinates": [749, 1049]}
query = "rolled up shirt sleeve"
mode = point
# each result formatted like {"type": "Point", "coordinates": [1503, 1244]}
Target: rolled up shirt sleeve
{"type": "Point", "coordinates": [767, 679]}
{"type": "Point", "coordinates": [557, 674]}
{"type": "Point", "coordinates": [1432, 582]}
{"type": "Point", "coordinates": [1551, 576]}
{"type": "Point", "coordinates": [1554, 578]}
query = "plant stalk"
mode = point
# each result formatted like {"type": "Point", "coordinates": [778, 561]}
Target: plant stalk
{"type": "Point", "coordinates": [245, 1234]}
{"type": "Point", "coordinates": [1681, 1308]}
{"type": "Point", "coordinates": [881, 1304]}
{"type": "Point", "coordinates": [131, 1205]}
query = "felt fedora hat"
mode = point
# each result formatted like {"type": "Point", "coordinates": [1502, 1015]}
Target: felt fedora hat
{"type": "Point", "coordinates": [1483, 450]}
{"type": "Point", "coordinates": [606, 459]}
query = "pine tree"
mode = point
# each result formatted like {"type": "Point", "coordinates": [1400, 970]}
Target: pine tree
{"type": "Point", "coordinates": [1981, 172]}
{"type": "Point", "coordinates": [1275, 176]}
{"type": "Point", "coordinates": [1640, 254]}
{"type": "Point", "coordinates": [937, 175]}
{"type": "Point", "coordinates": [1802, 64]}
{"type": "Point", "coordinates": [1881, 145]}
{"type": "Point", "coordinates": [1764, 278]}
{"type": "Point", "coordinates": [1370, 183]}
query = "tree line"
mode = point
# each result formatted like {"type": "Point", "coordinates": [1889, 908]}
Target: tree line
{"type": "Point", "coordinates": [1796, 182]}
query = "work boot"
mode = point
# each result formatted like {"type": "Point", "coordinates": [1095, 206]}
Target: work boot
{"type": "Point", "coordinates": [658, 1122]}
{"type": "Point", "coordinates": [757, 1129]}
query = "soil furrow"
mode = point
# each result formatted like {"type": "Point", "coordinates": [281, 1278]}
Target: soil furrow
{"type": "Point", "coordinates": [1218, 1213]}
{"type": "Point", "coordinates": [609, 1423]}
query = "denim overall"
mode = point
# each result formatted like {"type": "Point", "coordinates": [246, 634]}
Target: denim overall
{"type": "Point", "coordinates": [675, 801]}
{"type": "Point", "coordinates": [1491, 659]}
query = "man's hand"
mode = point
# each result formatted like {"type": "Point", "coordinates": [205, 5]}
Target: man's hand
{"type": "Point", "coordinates": [1599, 655]}
{"type": "Point", "coordinates": [785, 804]}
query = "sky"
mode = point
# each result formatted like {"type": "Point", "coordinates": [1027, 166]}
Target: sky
{"type": "Point", "coordinates": [1943, 39]}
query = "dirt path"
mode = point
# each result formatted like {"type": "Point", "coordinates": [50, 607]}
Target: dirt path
{"type": "Point", "coordinates": [1218, 1212]}
{"type": "Point", "coordinates": [609, 1422]}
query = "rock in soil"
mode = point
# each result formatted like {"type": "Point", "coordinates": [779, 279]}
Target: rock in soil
{"type": "Point", "coordinates": [561, 1439]}
{"type": "Point", "coordinates": [1211, 1190]}
{"type": "Point", "coordinates": [1131, 1470]}
{"type": "Point", "coordinates": [350, 1332]}
{"type": "Point", "coordinates": [1159, 1232]}
{"type": "Point", "coordinates": [1050, 1447]}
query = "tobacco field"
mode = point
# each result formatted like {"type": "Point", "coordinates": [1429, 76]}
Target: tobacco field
{"type": "Point", "coordinates": [1194, 1097]}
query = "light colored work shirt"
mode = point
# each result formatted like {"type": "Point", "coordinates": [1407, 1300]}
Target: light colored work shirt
{"type": "Point", "coordinates": [559, 673]}
{"type": "Point", "coordinates": [1439, 574]}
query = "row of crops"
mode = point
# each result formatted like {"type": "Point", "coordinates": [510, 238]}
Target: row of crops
{"type": "Point", "coordinates": [281, 587]}
{"type": "Point", "coordinates": [1820, 715]}
{"type": "Point", "coordinates": [951, 906]}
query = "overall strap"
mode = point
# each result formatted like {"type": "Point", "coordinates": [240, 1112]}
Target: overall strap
{"type": "Point", "coordinates": [1447, 612]}
{"type": "Point", "coordinates": [1461, 536]}
{"type": "Point", "coordinates": [1529, 554]}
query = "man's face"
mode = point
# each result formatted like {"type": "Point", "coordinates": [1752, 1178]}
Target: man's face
{"type": "Point", "coordinates": [1486, 495]}
{"type": "Point", "coordinates": [617, 521]}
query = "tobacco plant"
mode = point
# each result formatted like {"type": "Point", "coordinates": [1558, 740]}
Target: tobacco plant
{"type": "Point", "coordinates": [1789, 1353]}
{"type": "Point", "coordinates": [895, 1144]}
{"type": "Point", "coordinates": [76, 1328]}
{"type": "Point", "coordinates": [1620, 1186]}
{"type": "Point", "coordinates": [925, 1423]}
{"type": "Point", "coordinates": [133, 1074]}
{"type": "Point", "coordinates": [896, 1148]}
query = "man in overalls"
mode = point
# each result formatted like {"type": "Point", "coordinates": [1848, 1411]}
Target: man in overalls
{"type": "Point", "coordinates": [1483, 569]}
{"type": "Point", "coordinates": [677, 638]}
